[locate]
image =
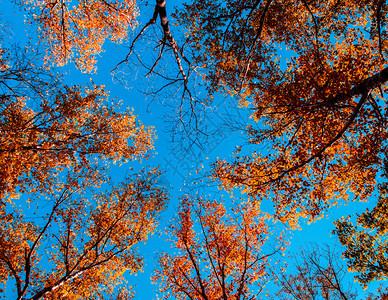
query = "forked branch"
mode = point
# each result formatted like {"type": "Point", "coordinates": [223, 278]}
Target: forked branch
{"type": "Point", "coordinates": [168, 39]}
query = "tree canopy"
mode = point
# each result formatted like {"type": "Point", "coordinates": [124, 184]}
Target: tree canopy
{"type": "Point", "coordinates": [91, 241]}
{"type": "Point", "coordinates": [312, 75]}
{"type": "Point", "coordinates": [366, 244]}
{"type": "Point", "coordinates": [315, 82]}
{"type": "Point", "coordinates": [219, 255]}
{"type": "Point", "coordinates": [57, 145]}
{"type": "Point", "coordinates": [76, 30]}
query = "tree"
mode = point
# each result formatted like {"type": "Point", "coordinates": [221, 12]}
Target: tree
{"type": "Point", "coordinates": [67, 131]}
{"type": "Point", "coordinates": [321, 108]}
{"type": "Point", "coordinates": [84, 245]}
{"type": "Point", "coordinates": [319, 274]}
{"type": "Point", "coordinates": [177, 81]}
{"type": "Point", "coordinates": [366, 244]}
{"type": "Point", "coordinates": [219, 255]}
{"type": "Point", "coordinates": [382, 295]}
{"type": "Point", "coordinates": [21, 76]}
{"type": "Point", "coordinates": [76, 30]}
{"type": "Point", "coordinates": [56, 145]}
{"type": "Point", "coordinates": [315, 82]}
{"type": "Point", "coordinates": [48, 127]}
{"type": "Point", "coordinates": [166, 41]}
{"type": "Point", "coordinates": [78, 33]}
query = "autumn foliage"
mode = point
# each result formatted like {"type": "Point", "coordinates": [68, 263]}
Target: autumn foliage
{"type": "Point", "coordinates": [65, 130]}
{"type": "Point", "coordinates": [76, 30]}
{"type": "Point", "coordinates": [68, 231]}
{"type": "Point", "coordinates": [217, 255]}
{"type": "Point", "coordinates": [84, 246]}
{"type": "Point", "coordinates": [366, 243]}
{"type": "Point", "coordinates": [314, 74]}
